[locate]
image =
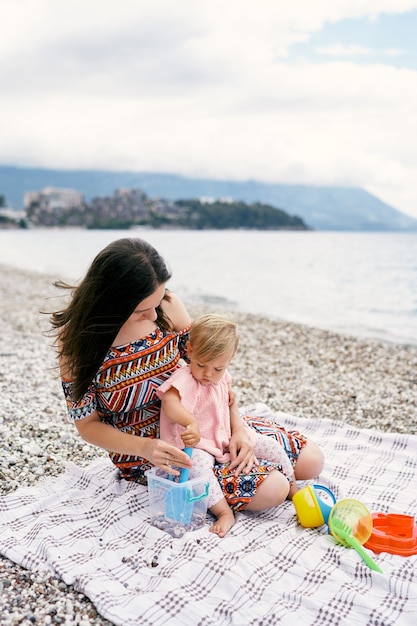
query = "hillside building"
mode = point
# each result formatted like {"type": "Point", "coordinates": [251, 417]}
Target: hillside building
{"type": "Point", "coordinates": [54, 199]}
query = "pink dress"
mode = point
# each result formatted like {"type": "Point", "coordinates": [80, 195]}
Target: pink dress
{"type": "Point", "coordinates": [209, 404]}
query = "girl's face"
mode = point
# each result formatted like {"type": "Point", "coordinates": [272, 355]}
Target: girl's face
{"type": "Point", "coordinates": [208, 372]}
{"type": "Point", "coordinates": [146, 310]}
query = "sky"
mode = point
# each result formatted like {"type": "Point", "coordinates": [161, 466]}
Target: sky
{"type": "Point", "coordinates": [304, 92]}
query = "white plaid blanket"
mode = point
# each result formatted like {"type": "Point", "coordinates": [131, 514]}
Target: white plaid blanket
{"type": "Point", "coordinates": [93, 532]}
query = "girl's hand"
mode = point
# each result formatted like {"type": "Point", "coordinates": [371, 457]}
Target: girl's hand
{"type": "Point", "coordinates": [191, 435]}
{"type": "Point", "coordinates": [163, 455]}
{"type": "Point", "coordinates": [241, 453]}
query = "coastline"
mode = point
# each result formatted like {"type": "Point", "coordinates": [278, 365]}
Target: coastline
{"type": "Point", "coordinates": [293, 368]}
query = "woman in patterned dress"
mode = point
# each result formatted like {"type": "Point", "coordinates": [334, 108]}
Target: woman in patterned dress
{"type": "Point", "coordinates": [120, 337]}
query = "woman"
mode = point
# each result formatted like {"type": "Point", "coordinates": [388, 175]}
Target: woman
{"type": "Point", "coordinates": [120, 337]}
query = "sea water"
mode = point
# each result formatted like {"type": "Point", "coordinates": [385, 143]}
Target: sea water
{"type": "Point", "coordinates": [363, 284]}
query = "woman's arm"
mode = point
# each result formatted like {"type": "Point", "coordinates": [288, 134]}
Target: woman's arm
{"type": "Point", "coordinates": [111, 439]}
{"type": "Point", "coordinates": [177, 413]}
{"type": "Point", "coordinates": [176, 311]}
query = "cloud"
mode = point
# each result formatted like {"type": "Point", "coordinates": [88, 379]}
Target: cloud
{"type": "Point", "coordinates": [207, 89]}
{"type": "Point", "coordinates": [339, 50]}
{"type": "Point", "coordinates": [393, 52]}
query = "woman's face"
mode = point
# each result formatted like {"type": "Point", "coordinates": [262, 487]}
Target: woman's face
{"type": "Point", "coordinates": [146, 309]}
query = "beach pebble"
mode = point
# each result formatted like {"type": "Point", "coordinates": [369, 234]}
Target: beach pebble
{"type": "Point", "coordinates": [65, 438]}
{"type": "Point", "coordinates": [32, 449]}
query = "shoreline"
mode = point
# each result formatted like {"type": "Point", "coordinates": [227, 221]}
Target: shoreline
{"type": "Point", "coordinates": [309, 281]}
{"type": "Point", "coordinates": [297, 369]}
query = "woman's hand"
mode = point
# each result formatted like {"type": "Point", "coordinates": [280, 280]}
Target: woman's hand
{"type": "Point", "coordinates": [163, 455]}
{"type": "Point", "coordinates": [241, 452]}
{"type": "Point", "coordinates": [240, 448]}
{"type": "Point", "coordinates": [157, 451]}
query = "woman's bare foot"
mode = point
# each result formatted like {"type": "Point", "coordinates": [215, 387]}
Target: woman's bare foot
{"type": "Point", "coordinates": [225, 518]}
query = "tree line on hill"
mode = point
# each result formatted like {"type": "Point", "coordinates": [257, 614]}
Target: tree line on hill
{"type": "Point", "coordinates": [223, 215]}
{"type": "Point", "coordinates": [132, 207]}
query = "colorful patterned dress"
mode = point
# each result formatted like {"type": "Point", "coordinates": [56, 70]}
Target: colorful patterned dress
{"type": "Point", "coordinates": [123, 391]}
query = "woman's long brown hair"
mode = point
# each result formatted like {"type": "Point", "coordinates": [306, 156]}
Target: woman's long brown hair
{"type": "Point", "coordinates": [123, 274]}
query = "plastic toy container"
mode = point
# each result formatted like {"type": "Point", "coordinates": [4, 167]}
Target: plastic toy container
{"type": "Point", "coordinates": [311, 510]}
{"type": "Point", "coordinates": [353, 517]}
{"type": "Point", "coordinates": [177, 507]}
{"type": "Point", "coordinates": [393, 533]}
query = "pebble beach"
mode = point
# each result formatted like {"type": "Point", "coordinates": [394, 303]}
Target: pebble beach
{"type": "Point", "coordinates": [301, 370]}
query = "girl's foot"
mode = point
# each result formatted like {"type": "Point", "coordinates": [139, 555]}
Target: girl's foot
{"type": "Point", "coordinates": [224, 523]}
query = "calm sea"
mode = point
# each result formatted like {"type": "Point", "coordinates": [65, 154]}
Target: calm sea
{"type": "Point", "coordinates": [364, 284]}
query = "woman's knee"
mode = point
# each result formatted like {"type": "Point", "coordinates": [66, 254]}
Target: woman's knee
{"type": "Point", "coordinates": [272, 492]}
{"type": "Point", "coordinates": [310, 462]}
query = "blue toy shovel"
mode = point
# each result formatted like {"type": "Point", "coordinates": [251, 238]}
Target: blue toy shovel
{"type": "Point", "coordinates": [179, 504]}
{"type": "Point", "coordinates": [185, 471]}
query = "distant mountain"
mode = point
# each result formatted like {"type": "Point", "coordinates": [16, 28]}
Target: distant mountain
{"type": "Point", "coordinates": [322, 208]}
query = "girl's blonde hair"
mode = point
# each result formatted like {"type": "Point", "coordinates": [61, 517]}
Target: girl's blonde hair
{"type": "Point", "coordinates": [213, 335]}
